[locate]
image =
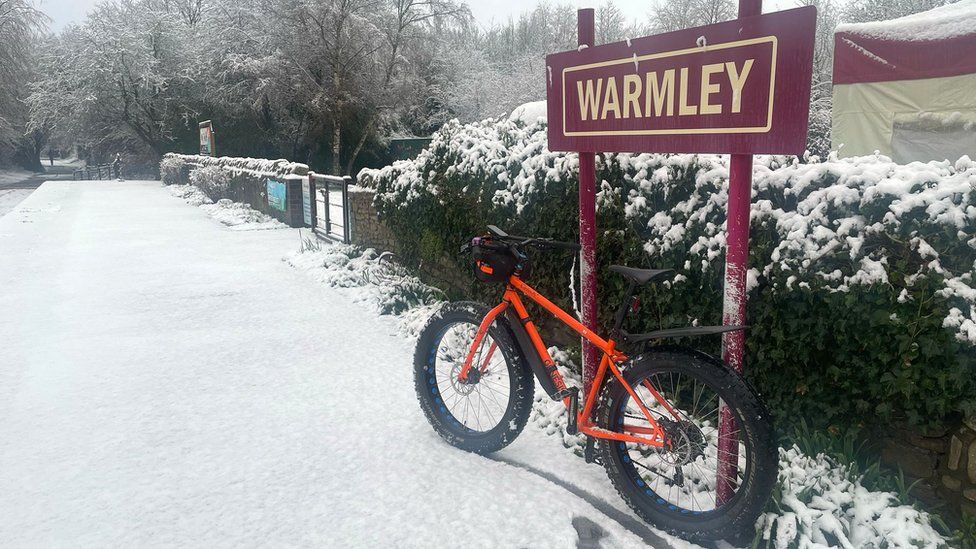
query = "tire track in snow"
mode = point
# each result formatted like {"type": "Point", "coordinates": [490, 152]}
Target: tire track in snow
{"type": "Point", "coordinates": [629, 523]}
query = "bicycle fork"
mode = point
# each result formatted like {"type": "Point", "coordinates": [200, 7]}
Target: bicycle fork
{"type": "Point", "coordinates": [526, 335]}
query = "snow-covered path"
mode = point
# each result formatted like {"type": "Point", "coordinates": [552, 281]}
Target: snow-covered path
{"type": "Point", "coordinates": [167, 381]}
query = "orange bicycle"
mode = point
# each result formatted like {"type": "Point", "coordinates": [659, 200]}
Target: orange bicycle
{"type": "Point", "coordinates": [685, 440]}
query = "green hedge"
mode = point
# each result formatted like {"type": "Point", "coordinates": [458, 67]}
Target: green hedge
{"type": "Point", "coordinates": [861, 304]}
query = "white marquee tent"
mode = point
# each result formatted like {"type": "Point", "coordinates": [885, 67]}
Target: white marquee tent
{"type": "Point", "coordinates": [907, 87]}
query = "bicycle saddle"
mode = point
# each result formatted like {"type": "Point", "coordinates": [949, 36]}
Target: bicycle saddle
{"type": "Point", "coordinates": [640, 276]}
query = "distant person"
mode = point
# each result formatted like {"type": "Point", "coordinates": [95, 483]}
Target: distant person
{"type": "Point", "coordinates": [117, 165]}
{"type": "Point", "coordinates": [50, 156]}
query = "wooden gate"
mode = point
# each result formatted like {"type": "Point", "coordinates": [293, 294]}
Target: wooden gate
{"type": "Point", "coordinates": [331, 218]}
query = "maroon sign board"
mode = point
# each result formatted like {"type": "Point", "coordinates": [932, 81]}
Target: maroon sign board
{"type": "Point", "coordinates": [740, 87]}
{"type": "Point", "coordinates": [208, 145]}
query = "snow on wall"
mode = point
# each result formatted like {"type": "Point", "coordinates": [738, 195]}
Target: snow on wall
{"type": "Point", "coordinates": [944, 22]}
{"type": "Point", "coordinates": [256, 166]}
{"type": "Point", "coordinates": [834, 205]}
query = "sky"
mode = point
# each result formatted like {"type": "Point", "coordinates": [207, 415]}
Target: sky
{"type": "Point", "coordinates": [498, 11]}
{"type": "Point", "coordinates": [64, 12]}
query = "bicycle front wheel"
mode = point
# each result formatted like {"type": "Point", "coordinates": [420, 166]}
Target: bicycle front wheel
{"type": "Point", "coordinates": [488, 410]}
{"type": "Point", "coordinates": [697, 486]}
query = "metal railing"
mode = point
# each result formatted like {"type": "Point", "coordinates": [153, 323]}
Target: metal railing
{"type": "Point", "coordinates": [103, 171]}
{"type": "Point", "coordinates": [330, 196]}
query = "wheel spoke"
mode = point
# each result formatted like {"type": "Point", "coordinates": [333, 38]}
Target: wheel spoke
{"type": "Point", "coordinates": [689, 466]}
{"type": "Point", "coordinates": [479, 403]}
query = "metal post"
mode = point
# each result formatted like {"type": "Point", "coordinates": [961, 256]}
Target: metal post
{"type": "Point", "coordinates": [587, 225]}
{"type": "Point", "coordinates": [313, 200]}
{"type": "Point", "coordinates": [346, 235]}
{"type": "Point", "coordinates": [328, 206]}
{"type": "Point", "coordinates": [734, 308]}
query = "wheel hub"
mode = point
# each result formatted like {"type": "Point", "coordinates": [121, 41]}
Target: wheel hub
{"type": "Point", "coordinates": [465, 386]}
{"type": "Point", "coordinates": [686, 443]}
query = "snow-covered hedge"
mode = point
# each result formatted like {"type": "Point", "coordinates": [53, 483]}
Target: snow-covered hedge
{"type": "Point", "coordinates": [212, 180]}
{"type": "Point", "coordinates": [234, 166]}
{"type": "Point", "coordinates": [817, 503]}
{"type": "Point", "coordinates": [861, 286]}
{"type": "Point", "coordinates": [238, 179]}
{"type": "Point", "coordinates": [172, 170]}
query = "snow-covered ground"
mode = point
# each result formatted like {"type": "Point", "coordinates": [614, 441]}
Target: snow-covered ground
{"type": "Point", "coordinates": [240, 217]}
{"type": "Point", "coordinates": [167, 381]}
{"type": "Point", "coordinates": [9, 176]}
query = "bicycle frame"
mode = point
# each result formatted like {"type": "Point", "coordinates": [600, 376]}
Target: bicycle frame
{"type": "Point", "coordinates": [611, 359]}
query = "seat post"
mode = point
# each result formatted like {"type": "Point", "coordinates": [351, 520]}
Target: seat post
{"type": "Point", "coordinates": [621, 315]}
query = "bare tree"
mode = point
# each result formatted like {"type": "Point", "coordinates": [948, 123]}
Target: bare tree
{"type": "Point", "coordinates": [20, 26]}
{"type": "Point", "coordinates": [859, 11]}
{"type": "Point", "coordinates": [404, 24]}
{"type": "Point", "coordinates": [610, 23]}
{"type": "Point", "coordinates": [119, 78]}
{"type": "Point", "coordinates": [672, 15]}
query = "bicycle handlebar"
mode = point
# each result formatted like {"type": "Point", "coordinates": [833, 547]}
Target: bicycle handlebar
{"type": "Point", "coordinates": [543, 243]}
{"type": "Point", "coordinates": [553, 244]}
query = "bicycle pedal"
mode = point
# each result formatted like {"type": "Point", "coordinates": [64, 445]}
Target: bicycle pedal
{"type": "Point", "coordinates": [589, 451]}
{"type": "Point", "coordinates": [571, 426]}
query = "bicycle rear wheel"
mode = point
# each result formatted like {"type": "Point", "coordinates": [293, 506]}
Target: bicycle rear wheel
{"type": "Point", "coordinates": [488, 410]}
{"type": "Point", "coordinates": [677, 488]}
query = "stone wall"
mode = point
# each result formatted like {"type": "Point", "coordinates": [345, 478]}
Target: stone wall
{"type": "Point", "coordinates": [943, 458]}
{"type": "Point", "coordinates": [369, 231]}
{"type": "Point", "coordinates": [957, 472]}
{"type": "Point", "coordinates": [249, 182]}
{"type": "Point", "coordinates": [365, 226]}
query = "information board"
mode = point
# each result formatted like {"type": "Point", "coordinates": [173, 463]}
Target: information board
{"type": "Point", "coordinates": [277, 194]}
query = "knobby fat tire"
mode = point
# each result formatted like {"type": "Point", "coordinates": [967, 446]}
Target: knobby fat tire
{"type": "Point", "coordinates": [521, 388]}
{"type": "Point", "coordinates": [738, 517]}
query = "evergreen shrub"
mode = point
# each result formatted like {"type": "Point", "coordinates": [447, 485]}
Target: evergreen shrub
{"type": "Point", "coordinates": [862, 299]}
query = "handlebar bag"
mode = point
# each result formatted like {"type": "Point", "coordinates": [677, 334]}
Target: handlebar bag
{"type": "Point", "coordinates": [492, 261]}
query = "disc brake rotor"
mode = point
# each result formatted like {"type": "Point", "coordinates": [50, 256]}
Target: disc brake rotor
{"type": "Point", "coordinates": [464, 387]}
{"type": "Point", "coordinates": [687, 443]}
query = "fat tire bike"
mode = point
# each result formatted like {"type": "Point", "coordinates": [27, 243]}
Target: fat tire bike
{"type": "Point", "coordinates": [685, 440]}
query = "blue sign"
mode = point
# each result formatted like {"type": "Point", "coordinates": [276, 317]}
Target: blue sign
{"type": "Point", "coordinates": [277, 195]}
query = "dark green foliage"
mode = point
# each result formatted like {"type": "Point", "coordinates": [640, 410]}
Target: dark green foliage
{"type": "Point", "coordinates": [965, 536]}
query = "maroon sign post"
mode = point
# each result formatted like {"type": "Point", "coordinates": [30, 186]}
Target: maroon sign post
{"type": "Point", "coordinates": [734, 305]}
{"type": "Point", "coordinates": [587, 224]}
{"type": "Point", "coordinates": [741, 87]}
